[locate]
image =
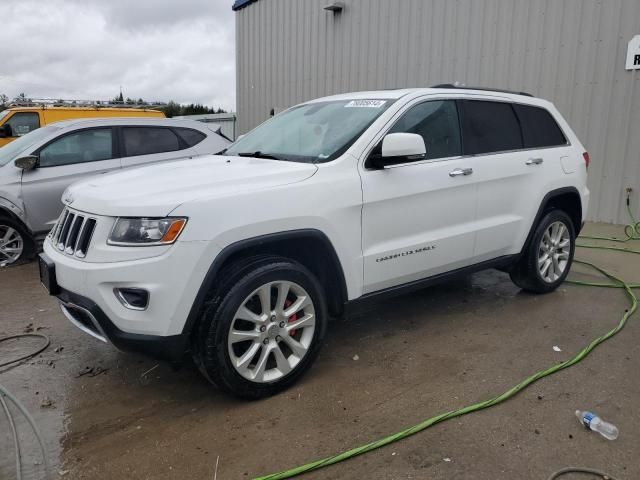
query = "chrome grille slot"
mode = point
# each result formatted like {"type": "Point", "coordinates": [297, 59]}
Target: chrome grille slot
{"type": "Point", "coordinates": [72, 238]}
{"type": "Point", "coordinates": [72, 235]}
{"type": "Point", "coordinates": [84, 238]}
{"type": "Point", "coordinates": [55, 233]}
{"type": "Point", "coordinates": [64, 232]}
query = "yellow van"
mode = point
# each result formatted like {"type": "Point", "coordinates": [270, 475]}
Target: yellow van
{"type": "Point", "coordinates": [18, 121]}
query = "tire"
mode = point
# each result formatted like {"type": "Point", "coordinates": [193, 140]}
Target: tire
{"type": "Point", "coordinates": [538, 273]}
{"type": "Point", "coordinates": [250, 363]}
{"type": "Point", "coordinates": [14, 236]}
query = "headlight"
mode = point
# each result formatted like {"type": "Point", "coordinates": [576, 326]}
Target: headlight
{"type": "Point", "coordinates": [146, 231]}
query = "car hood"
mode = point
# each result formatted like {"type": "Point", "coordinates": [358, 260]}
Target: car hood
{"type": "Point", "coordinates": [156, 190]}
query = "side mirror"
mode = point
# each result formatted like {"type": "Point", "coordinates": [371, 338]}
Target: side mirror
{"type": "Point", "coordinates": [6, 131]}
{"type": "Point", "coordinates": [399, 148]}
{"type": "Point", "coordinates": [27, 163]}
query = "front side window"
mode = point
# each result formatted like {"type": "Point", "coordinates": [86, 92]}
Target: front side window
{"type": "Point", "coordinates": [22, 145]}
{"type": "Point", "coordinates": [85, 146]}
{"type": "Point", "coordinates": [489, 127]}
{"type": "Point", "coordinates": [437, 123]}
{"type": "Point", "coordinates": [539, 129]}
{"type": "Point", "coordinates": [149, 140]}
{"type": "Point", "coordinates": [23, 122]}
{"type": "Point", "coordinates": [311, 133]}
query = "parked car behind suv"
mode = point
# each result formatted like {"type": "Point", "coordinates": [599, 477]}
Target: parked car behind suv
{"type": "Point", "coordinates": [36, 168]}
{"type": "Point", "coordinates": [20, 120]}
{"type": "Point", "coordinates": [336, 201]}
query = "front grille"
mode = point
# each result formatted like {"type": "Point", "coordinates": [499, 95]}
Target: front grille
{"type": "Point", "coordinates": [72, 234]}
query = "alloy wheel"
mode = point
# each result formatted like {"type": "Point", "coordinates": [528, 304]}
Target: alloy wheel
{"type": "Point", "coordinates": [11, 245]}
{"type": "Point", "coordinates": [271, 331]}
{"type": "Point", "coordinates": [554, 251]}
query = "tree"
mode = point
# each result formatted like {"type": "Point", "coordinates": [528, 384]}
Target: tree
{"type": "Point", "coordinates": [172, 109]}
{"type": "Point", "coordinates": [3, 101]}
{"type": "Point", "coordinates": [119, 98]}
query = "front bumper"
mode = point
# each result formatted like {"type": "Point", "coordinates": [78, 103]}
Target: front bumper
{"type": "Point", "coordinates": [89, 317]}
{"type": "Point", "coordinates": [86, 293]}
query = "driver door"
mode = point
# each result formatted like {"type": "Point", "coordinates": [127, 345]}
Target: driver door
{"type": "Point", "coordinates": [418, 217]}
{"type": "Point", "coordinates": [67, 159]}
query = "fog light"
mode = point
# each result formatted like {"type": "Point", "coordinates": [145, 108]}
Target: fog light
{"type": "Point", "coordinates": [132, 298]}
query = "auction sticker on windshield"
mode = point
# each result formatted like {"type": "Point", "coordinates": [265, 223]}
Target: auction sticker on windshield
{"type": "Point", "coordinates": [365, 103]}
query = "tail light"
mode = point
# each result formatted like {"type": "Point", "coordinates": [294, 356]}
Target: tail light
{"type": "Point", "coordinates": [585, 155]}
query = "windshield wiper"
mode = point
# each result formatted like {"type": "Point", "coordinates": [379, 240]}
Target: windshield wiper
{"type": "Point", "coordinates": [221, 152]}
{"type": "Point", "coordinates": [258, 154]}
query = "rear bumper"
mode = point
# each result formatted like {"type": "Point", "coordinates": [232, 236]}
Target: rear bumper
{"type": "Point", "coordinates": [90, 318]}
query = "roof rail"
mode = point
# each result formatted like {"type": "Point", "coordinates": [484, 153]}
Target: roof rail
{"type": "Point", "coordinates": [484, 89]}
{"type": "Point", "coordinates": [52, 102]}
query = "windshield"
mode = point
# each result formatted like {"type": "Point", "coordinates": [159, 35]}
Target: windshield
{"type": "Point", "coordinates": [311, 133]}
{"type": "Point", "coordinates": [4, 113]}
{"type": "Point", "coordinates": [11, 150]}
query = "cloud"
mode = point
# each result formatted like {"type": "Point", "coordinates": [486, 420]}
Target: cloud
{"type": "Point", "coordinates": [158, 50]}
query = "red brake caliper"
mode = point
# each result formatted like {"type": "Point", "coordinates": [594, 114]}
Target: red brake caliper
{"type": "Point", "coordinates": [292, 318]}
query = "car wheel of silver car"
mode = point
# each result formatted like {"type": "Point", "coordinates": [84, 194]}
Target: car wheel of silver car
{"type": "Point", "coordinates": [546, 261]}
{"type": "Point", "coordinates": [265, 329]}
{"type": "Point", "coordinates": [15, 242]}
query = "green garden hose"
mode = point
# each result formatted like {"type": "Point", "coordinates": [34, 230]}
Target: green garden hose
{"type": "Point", "coordinates": [632, 232]}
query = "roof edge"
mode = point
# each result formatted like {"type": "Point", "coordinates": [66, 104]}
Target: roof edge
{"type": "Point", "coordinates": [240, 4]}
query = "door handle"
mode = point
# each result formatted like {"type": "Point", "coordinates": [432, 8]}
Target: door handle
{"type": "Point", "coordinates": [534, 161]}
{"type": "Point", "coordinates": [461, 171]}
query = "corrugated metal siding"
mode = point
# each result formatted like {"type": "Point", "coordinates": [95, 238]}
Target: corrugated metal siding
{"type": "Point", "coordinates": [571, 52]}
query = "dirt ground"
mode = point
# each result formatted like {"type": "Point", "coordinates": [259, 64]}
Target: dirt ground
{"type": "Point", "coordinates": [403, 360]}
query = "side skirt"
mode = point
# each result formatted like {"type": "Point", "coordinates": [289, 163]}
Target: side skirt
{"type": "Point", "coordinates": [501, 263]}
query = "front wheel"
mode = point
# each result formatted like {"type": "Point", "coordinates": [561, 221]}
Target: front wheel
{"type": "Point", "coordinates": [547, 260]}
{"type": "Point", "coordinates": [16, 245]}
{"type": "Point", "coordinates": [265, 328]}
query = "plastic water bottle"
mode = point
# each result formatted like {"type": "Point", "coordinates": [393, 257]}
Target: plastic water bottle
{"type": "Point", "coordinates": [595, 423]}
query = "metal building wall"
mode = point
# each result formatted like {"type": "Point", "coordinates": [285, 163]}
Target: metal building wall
{"type": "Point", "coordinates": [571, 52]}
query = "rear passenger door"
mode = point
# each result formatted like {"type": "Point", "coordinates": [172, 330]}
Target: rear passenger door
{"type": "Point", "coordinates": [507, 144]}
{"type": "Point", "coordinates": [145, 145]}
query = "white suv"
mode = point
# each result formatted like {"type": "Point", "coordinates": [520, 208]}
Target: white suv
{"type": "Point", "coordinates": [239, 261]}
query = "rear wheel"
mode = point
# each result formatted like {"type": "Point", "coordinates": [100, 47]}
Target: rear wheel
{"type": "Point", "coordinates": [547, 261]}
{"type": "Point", "coordinates": [264, 327]}
{"type": "Point", "coordinates": [16, 245]}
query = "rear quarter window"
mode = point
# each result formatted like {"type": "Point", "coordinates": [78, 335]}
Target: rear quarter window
{"type": "Point", "coordinates": [190, 136]}
{"type": "Point", "coordinates": [539, 128]}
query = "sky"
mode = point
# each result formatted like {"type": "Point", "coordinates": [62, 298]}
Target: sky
{"type": "Point", "coordinates": [158, 50]}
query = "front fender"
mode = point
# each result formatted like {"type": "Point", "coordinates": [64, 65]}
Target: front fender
{"type": "Point", "coordinates": [13, 210]}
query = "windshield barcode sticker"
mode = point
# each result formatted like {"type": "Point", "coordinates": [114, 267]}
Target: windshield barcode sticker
{"type": "Point", "coordinates": [365, 103]}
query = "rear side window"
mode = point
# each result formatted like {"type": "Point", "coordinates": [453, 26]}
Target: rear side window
{"type": "Point", "coordinates": [149, 140]}
{"type": "Point", "coordinates": [489, 127]}
{"type": "Point", "coordinates": [539, 129]}
{"type": "Point", "coordinates": [190, 136]}
{"type": "Point", "coordinates": [437, 123]}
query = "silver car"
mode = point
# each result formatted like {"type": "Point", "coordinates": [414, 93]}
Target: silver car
{"type": "Point", "coordinates": [36, 168]}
